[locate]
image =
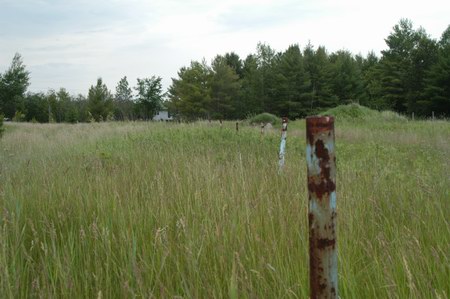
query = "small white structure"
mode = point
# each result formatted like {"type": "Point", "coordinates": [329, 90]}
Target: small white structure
{"type": "Point", "coordinates": [162, 115]}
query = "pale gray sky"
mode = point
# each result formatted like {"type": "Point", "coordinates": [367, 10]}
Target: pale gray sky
{"type": "Point", "coordinates": [69, 43]}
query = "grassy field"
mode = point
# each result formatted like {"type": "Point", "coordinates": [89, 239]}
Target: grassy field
{"type": "Point", "coordinates": [158, 210]}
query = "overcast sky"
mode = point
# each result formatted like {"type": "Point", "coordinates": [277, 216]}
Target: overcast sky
{"type": "Point", "coordinates": [69, 43]}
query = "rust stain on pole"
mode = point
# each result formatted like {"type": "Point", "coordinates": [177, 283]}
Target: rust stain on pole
{"type": "Point", "coordinates": [284, 126]}
{"type": "Point", "coordinates": [321, 161]}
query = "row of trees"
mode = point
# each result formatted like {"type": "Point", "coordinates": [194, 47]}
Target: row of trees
{"type": "Point", "coordinates": [412, 75]}
{"type": "Point", "coordinates": [59, 106]}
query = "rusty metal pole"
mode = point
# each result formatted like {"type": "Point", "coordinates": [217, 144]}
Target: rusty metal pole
{"type": "Point", "coordinates": [284, 125]}
{"type": "Point", "coordinates": [321, 161]}
{"type": "Point", "coordinates": [237, 127]}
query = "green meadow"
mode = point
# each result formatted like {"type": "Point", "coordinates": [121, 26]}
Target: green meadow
{"type": "Point", "coordinates": [168, 210]}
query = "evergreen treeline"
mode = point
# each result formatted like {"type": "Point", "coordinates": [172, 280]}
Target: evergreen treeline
{"type": "Point", "coordinates": [411, 76]}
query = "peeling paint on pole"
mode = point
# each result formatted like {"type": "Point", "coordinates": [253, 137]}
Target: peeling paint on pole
{"type": "Point", "coordinates": [321, 161]}
{"type": "Point", "coordinates": [284, 125]}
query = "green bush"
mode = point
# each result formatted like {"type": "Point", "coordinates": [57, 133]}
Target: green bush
{"type": "Point", "coordinates": [19, 117]}
{"type": "Point", "coordinates": [392, 116]}
{"type": "Point", "coordinates": [264, 118]}
{"type": "Point", "coordinates": [358, 112]}
{"type": "Point", "coordinates": [1, 125]}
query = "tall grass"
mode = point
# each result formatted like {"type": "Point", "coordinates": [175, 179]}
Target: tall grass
{"type": "Point", "coordinates": [120, 210]}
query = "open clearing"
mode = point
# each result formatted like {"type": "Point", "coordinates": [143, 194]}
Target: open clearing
{"type": "Point", "coordinates": [197, 211]}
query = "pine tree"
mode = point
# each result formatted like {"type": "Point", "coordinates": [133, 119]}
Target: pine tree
{"type": "Point", "coordinates": [123, 100]}
{"type": "Point", "coordinates": [266, 60]}
{"type": "Point", "coordinates": [404, 65]}
{"type": "Point", "coordinates": [251, 87]}
{"type": "Point", "coordinates": [346, 81]}
{"type": "Point", "coordinates": [13, 85]}
{"type": "Point", "coordinates": [99, 101]}
{"type": "Point", "coordinates": [371, 77]}
{"type": "Point", "coordinates": [437, 91]}
{"type": "Point", "coordinates": [233, 61]}
{"type": "Point", "coordinates": [190, 94]}
{"type": "Point", "coordinates": [291, 93]}
{"type": "Point", "coordinates": [224, 89]}
{"type": "Point", "coordinates": [319, 68]}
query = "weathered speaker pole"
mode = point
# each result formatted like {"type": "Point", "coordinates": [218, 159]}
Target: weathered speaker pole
{"type": "Point", "coordinates": [284, 126]}
{"type": "Point", "coordinates": [321, 161]}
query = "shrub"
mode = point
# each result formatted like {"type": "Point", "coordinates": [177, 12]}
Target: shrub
{"type": "Point", "coordinates": [351, 111]}
{"type": "Point", "coordinates": [392, 116]}
{"type": "Point", "coordinates": [264, 118]}
{"type": "Point", "coordinates": [1, 125]}
{"type": "Point", "coordinates": [358, 112]}
{"type": "Point", "coordinates": [18, 117]}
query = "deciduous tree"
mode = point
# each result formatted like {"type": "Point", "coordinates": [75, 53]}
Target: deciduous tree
{"type": "Point", "coordinates": [149, 96]}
